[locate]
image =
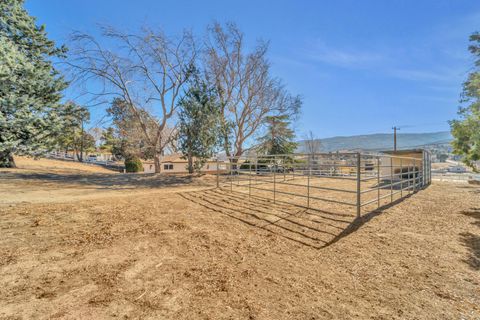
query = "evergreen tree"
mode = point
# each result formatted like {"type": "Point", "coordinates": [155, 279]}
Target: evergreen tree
{"type": "Point", "coordinates": [30, 87]}
{"type": "Point", "coordinates": [108, 140]}
{"type": "Point", "coordinates": [85, 144]}
{"type": "Point", "coordinates": [466, 131]}
{"type": "Point", "coordinates": [279, 136]}
{"type": "Point", "coordinates": [130, 137]}
{"type": "Point", "coordinates": [199, 128]}
{"type": "Point", "coordinates": [73, 135]}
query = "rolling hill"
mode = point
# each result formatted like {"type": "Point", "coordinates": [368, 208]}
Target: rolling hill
{"type": "Point", "coordinates": [380, 141]}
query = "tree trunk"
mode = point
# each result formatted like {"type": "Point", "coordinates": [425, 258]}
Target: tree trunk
{"type": "Point", "coordinates": [190, 163]}
{"type": "Point", "coordinates": [226, 142]}
{"type": "Point", "coordinates": [157, 160]}
{"type": "Point", "coordinates": [226, 145]}
{"type": "Point", "coordinates": [6, 160]}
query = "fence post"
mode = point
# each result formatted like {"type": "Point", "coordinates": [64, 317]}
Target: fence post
{"type": "Point", "coordinates": [358, 184]}
{"type": "Point", "coordinates": [391, 179]}
{"type": "Point", "coordinates": [410, 176]}
{"type": "Point", "coordinates": [256, 169]}
{"type": "Point", "coordinates": [308, 182]}
{"type": "Point", "coordinates": [378, 182]}
{"type": "Point", "coordinates": [414, 176]}
{"type": "Point", "coordinates": [293, 169]}
{"type": "Point", "coordinates": [274, 178]}
{"type": "Point", "coordinates": [250, 179]}
{"type": "Point", "coordinates": [218, 174]}
{"type": "Point", "coordinates": [401, 178]}
{"type": "Point", "coordinates": [429, 168]}
{"type": "Point", "coordinates": [424, 169]}
{"type": "Point", "coordinates": [231, 174]}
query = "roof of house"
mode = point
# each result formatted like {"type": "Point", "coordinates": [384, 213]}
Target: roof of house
{"type": "Point", "coordinates": [403, 151]}
{"type": "Point", "coordinates": [175, 158]}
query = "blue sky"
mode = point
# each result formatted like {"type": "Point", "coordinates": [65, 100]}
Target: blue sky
{"type": "Point", "coordinates": [361, 66]}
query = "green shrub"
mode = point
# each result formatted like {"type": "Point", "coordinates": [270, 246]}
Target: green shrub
{"type": "Point", "coordinates": [246, 165]}
{"type": "Point", "coordinates": [262, 164]}
{"type": "Point", "coordinates": [133, 164]}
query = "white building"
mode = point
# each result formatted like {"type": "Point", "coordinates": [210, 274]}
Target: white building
{"type": "Point", "coordinates": [176, 164]}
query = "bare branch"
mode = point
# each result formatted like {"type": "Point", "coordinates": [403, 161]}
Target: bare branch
{"type": "Point", "coordinates": [146, 70]}
{"type": "Point", "coordinates": [246, 90]}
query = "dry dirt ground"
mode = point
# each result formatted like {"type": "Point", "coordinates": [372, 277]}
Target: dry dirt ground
{"type": "Point", "coordinates": [85, 243]}
{"type": "Point", "coordinates": [45, 180]}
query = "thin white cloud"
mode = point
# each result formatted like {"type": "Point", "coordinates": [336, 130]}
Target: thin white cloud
{"type": "Point", "coordinates": [435, 75]}
{"type": "Point", "coordinates": [385, 62]}
{"type": "Point", "coordinates": [436, 59]}
{"type": "Point", "coordinates": [446, 88]}
{"type": "Point", "coordinates": [320, 52]}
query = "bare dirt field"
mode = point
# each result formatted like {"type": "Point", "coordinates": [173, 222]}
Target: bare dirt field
{"type": "Point", "coordinates": [80, 242]}
{"type": "Point", "coordinates": [46, 180]}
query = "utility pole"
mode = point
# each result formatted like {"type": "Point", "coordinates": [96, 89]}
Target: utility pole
{"type": "Point", "coordinates": [395, 138]}
{"type": "Point", "coordinates": [81, 142]}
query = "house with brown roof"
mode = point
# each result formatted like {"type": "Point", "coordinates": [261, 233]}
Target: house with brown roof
{"type": "Point", "coordinates": [174, 163]}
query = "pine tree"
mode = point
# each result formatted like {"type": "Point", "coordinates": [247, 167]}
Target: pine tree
{"type": "Point", "coordinates": [279, 136]}
{"type": "Point", "coordinates": [128, 130]}
{"type": "Point", "coordinates": [74, 136]}
{"type": "Point", "coordinates": [199, 129]}
{"type": "Point", "coordinates": [30, 87]}
{"type": "Point", "coordinates": [466, 131]}
{"type": "Point", "coordinates": [108, 140]}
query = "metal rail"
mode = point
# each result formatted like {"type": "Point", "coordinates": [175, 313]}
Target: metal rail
{"type": "Point", "coordinates": [347, 179]}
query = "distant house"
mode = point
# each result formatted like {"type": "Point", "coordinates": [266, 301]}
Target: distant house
{"type": "Point", "coordinates": [174, 163]}
{"type": "Point", "coordinates": [457, 169]}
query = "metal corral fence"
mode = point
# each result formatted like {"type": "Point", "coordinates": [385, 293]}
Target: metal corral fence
{"type": "Point", "coordinates": [328, 181]}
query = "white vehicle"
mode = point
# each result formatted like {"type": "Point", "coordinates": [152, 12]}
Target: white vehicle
{"type": "Point", "coordinates": [457, 169]}
{"type": "Point", "coordinates": [92, 158]}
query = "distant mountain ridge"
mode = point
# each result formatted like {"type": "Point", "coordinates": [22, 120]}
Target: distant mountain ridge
{"type": "Point", "coordinates": [380, 141]}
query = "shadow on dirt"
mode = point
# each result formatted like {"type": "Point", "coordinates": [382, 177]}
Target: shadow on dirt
{"type": "Point", "coordinates": [104, 181]}
{"type": "Point", "coordinates": [365, 218]}
{"type": "Point", "coordinates": [472, 241]}
{"type": "Point", "coordinates": [310, 227]}
{"type": "Point", "coordinates": [471, 188]}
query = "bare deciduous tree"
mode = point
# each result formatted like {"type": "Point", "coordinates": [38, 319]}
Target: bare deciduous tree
{"type": "Point", "coordinates": [247, 92]}
{"type": "Point", "coordinates": [96, 133]}
{"type": "Point", "coordinates": [146, 70]}
{"type": "Point", "coordinates": [312, 144]}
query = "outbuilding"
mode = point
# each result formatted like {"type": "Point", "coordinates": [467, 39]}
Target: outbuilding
{"type": "Point", "coordinates": [403, 164]}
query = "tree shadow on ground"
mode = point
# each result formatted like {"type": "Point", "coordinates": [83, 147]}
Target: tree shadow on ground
{"type": "Point", "coordinates": [471, 188]}
{"type": "Point", "coordinates": [310, 227]}
{"type": "Point", "coordinates": [472, 241]}
{"type": "Point", "coordinates": [104, 181]}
